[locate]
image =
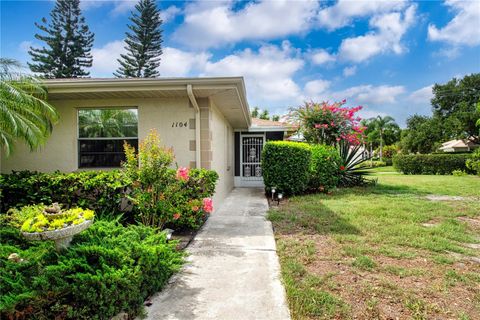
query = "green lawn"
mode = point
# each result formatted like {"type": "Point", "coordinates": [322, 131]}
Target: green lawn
{"type": "Point", "coordinates": [384, 251]}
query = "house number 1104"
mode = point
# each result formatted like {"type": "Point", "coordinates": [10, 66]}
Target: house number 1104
{"type": "Point", "coordinates": [179, 124]}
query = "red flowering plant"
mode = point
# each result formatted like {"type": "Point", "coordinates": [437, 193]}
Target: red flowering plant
{"type": "Point", "coordinates": [326, 123]}
{"type": "Point", "coordinates": [162, 196]}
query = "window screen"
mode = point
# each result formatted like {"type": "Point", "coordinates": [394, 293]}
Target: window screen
{"type": "Point", "coordinates": [101, 134]}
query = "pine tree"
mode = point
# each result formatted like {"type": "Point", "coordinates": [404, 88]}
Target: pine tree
{"type": "Point", "coordinates": [68, 43]}
{"type": "Point", "coordinates": [144, 44]}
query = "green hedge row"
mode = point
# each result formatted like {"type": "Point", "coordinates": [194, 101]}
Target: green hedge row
{"type": "Point", "coordinates": [101, 191]}
{"type": "Point", "coordinates": [430, 163]}
{"type": "Point", "coordinates": [107, 269]}
{"type": "Point", "coordinates": [104, 192]}
{"type": "Point", "coordinates": [294, 168]}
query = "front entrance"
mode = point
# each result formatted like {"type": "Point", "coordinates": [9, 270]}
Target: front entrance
{"type": "Point", "coordinates": [251, 147]}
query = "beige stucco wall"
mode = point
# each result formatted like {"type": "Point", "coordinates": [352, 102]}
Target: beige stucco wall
{"type": "Point", "coordinates": [60, 151]}
{"type": "Point", "coordinates": [222, 154]}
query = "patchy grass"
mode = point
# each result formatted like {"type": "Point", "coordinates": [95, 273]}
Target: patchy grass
{"type": "Point", "coordinates": [384, 251]}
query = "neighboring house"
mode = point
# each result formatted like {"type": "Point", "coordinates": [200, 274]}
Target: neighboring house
{"type": "Point", "coordinates": [461, 145]}
{"type": "Point", "coordinates": [205, 120]}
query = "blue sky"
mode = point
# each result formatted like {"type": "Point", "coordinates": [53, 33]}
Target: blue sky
{"type": "Point", "coordinates": [384, 55]}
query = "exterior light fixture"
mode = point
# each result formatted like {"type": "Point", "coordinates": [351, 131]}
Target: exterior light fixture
{"type": "Point", "coordinates": [273, 193]}
{"type": "Point", "coordinates": [169, 233]}
{"type": "Point", "coordinates": [279, 198]}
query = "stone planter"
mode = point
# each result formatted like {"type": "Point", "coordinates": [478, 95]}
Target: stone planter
{"type": "Point", "coordinates": [62, 237]}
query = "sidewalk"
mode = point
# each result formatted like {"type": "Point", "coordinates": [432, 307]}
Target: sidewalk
{"type": "Point", "coordinates": [232, 270]}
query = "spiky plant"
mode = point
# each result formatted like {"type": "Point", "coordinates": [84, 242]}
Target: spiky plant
{"type": "Point", "coordinates": [24, 113]}
{"type": "Point", "coordinates": [351, 172]}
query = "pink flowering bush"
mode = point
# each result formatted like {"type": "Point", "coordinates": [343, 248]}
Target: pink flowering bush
{"type": "Point", "coordinates": [182, 173]}
{"type": "Point", "coordinates": [328, 124]}
{"type": "Point", "coordinates": [164, 197]}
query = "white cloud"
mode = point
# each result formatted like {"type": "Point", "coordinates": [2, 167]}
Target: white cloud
{"type": "Point", "coordinates": [463, 29]}
{"type": "Point", "coordinates": [389, 30]}
{"type": "Point", "coordinates": [316, 87]}
{"type": "Point", "coordinates": [178, 63]}
{"type": "Point", "coordinates": [119, 6]}
{"type": "Point", "coordinates": [344, 11]}
{"type": "Point", "coordinates": [421, 96]}
{"type": "Point", "coordinates": [363, 94]}
{"type": "Point", "coordinates": [321, 56]}
{"type": "Point", "coordinates": [170, 13]}
{"type": "Point", "coordinates": [214, 23]}
{"type": "Point", "coordinates": [349, 71]}
{"type": "Point", "coordinates": [268, 73]}
{"type": "Point", "coordinates": [105, 59]}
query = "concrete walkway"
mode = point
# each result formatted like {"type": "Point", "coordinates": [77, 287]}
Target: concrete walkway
{"type": "Point", "coordinates": [232, 271]}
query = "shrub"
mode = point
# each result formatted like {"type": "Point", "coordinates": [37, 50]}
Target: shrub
{"type": "Point", "coordinates": [101, 191]}
{"type": "Point", "coordinates": [473, 162]}
{"type": "Point", "coordinates": [107, 269]}
{"type": "Point", "coordinates": [430, 163]}
{"type": "Point", "coordinates": [352, 170]}
{"type": "Point", "coordinates": [164, 196]}
{"type": "Point", "coordinates": [104, 192]}
{"type": "Point", "coordinates": [373, 164]}
{"type": "Point", "coordinates": [325, 167]}
{"type": "Point", "coordinates": [286, 166]}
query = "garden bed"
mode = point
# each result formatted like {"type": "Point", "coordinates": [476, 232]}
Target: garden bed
{"type": "Point", "coordinates": [107, 269]}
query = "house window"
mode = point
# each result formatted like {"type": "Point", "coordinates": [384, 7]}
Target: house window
{"type": "Point", "coordinates": [101, 134]}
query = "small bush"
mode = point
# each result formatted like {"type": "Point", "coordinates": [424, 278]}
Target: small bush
{"type": "Point", "coordinates": [430, 163]}
{"type": "Point", "coordinates": [286, 166]}
{"type": "Point", "coordinates": [473, 162]}
{"type": "Point", "coordinates": [107, 269]}
{"type": "Point", "coordinates": [459, 173]}
{"type": "Point", "coordinates": [163, 196]}
{"type": "Point", "coordinates": [373, 164]}
{"type": "Point", "coordinates": [325, 167]}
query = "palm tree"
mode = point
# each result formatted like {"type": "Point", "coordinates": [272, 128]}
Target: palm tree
{"type": "Point", "coordinates": [24, 113]}
{"type": "Point", "coordinates": [381, 125]}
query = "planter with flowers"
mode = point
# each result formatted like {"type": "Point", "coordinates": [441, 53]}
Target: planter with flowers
{"type": "Point", "coordinates": [53, 223]}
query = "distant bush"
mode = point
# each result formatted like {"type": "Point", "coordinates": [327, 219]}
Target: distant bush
{"type": "Point", "coordinates": [286, 166]}
{"type": "Point", "coordinates": [473, 161]}
{"type": "Point", "coordinates": [373, 164]}
{"type": "Point", "coordinates": [325, 167]}
{"type": "Point", "coordinates": [106, 270]}
{"type": "Point", "coordinates": [430, 163]}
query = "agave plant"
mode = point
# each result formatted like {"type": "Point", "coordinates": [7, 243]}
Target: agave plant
{"type": "Point", "coordinates": [351, 172]}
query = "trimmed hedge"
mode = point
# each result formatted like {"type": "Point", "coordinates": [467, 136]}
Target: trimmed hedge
{"type": "Point", "coordinates": [325, 167]}
{"type": "Point", "coordinates": [430, 163]}
{"type": "Point", "coordinates": [286, 166]}
{"type": "Point", "coordinates": [105, 192]}
{"type": "Point", "coordinates": [107, 269]}
{"type": "Point", "coordinates": [101, 191]}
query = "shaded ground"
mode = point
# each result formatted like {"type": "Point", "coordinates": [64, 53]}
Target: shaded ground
{"type": "Point", "coordinates": [385, 252]}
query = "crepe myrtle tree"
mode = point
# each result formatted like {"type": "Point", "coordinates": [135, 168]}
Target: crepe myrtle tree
{"type": "Point", "coordinates": [328, 123]}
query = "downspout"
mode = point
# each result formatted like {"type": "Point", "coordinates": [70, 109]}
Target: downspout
{"type": "Point", "coordinates": [191, 96]}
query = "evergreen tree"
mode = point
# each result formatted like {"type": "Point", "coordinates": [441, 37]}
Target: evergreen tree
{"type": "Point", "coordinates": [68, 43]}
{"type": "Point", "coordinates": [143, 44]}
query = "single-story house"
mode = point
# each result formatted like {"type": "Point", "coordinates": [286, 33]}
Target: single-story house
{"type": "Point", "coordinates": [206, 121]}
{"type": "Point", "coordinates": [460, 145]}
